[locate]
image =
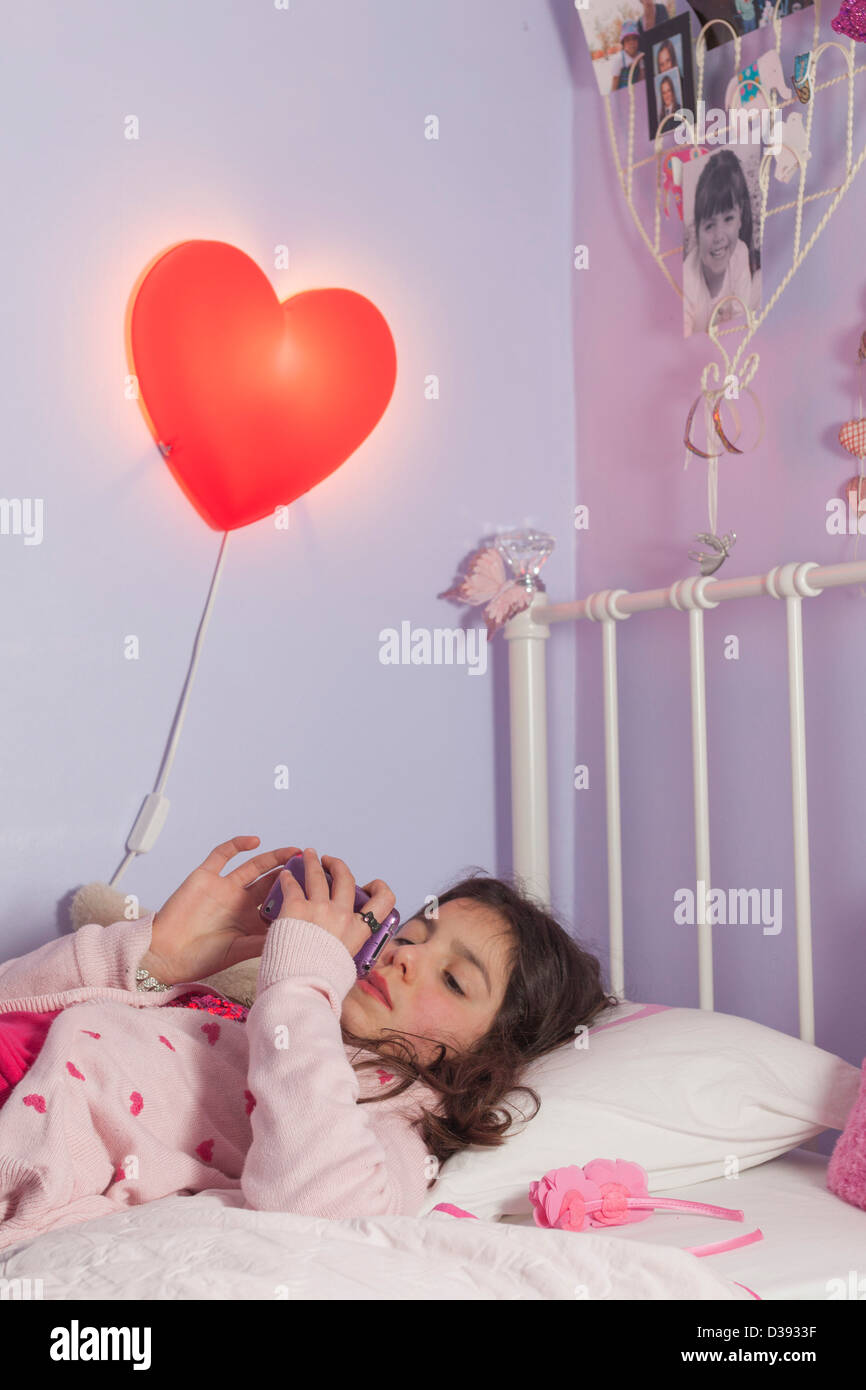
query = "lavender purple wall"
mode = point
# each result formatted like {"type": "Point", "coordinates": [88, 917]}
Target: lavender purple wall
{"type": "Point", "coordinates": [261, 127]}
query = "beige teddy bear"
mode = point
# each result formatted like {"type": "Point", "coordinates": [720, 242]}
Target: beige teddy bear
{"type": "Point", "coordinates": [97, 902]}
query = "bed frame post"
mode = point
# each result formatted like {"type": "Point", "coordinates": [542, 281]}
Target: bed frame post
{"type": "Point", "coordinates": [689, 596]}
{"type": "Point", "coordinates": [603, 607]}
{"type": "Point", "coordinates": [527, 684]}
{"type": "Point", "coordinates": [790, 582]}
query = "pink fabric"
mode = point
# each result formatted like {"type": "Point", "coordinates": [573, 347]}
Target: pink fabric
{"type": "Point", "coordinates": [846, 1171]}
{"type": "Point", "coordinates": [22, 1034]}
{"type": "Point", "coordinates": [748, 1290]}
{"type": "Point", "coordinates": [645, 1012]}
{"type": "Point", "coordinates": [21, 1037]}
{"type": "Point", "coordinates": [131, 1099]}
{"type": "Point", "coordinates": [720, 1246]}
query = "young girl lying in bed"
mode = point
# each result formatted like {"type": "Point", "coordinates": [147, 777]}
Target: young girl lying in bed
{"type": "Point", "coordinates": [328, 1097]}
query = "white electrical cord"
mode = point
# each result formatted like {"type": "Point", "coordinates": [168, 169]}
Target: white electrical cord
{"type": "Point", "coordinates": [154, 808]}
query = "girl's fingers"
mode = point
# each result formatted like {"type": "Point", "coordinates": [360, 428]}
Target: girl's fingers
{"type": "Point", "coordinates": [380, 891]}
{"type": "Point", "coordinates": [246, 874]}
{"type": "Point", "coordinates": [343, 889]}
{"type": "Point", "coordinates": [291, 889]}
{"type": "Point", "coordinates": [219, 857]}
{"type": "Point", "coordinates": [382, 899]}
{"type": "Point", "coordinates": [256, 894]}
{"type": "Point", "coordinates": [265, 881]}
{"type": "Point", "coordinates": [314, 878]}
{"type": "Point", "coordinates": [375, 886]}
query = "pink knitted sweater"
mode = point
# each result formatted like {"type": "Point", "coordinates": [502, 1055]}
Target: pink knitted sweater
{"type": "Point", "coordinates": [129, 1101]}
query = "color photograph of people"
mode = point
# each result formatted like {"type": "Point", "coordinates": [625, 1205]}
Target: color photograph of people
{"type": "Point", "coordinates": [672, 86]}
{"type": "Point", "coordinates": [667, 67]}
{"type": "Point", "coordinates": [613, 30]}
{"type": "Point", "coordinates": [668, 96]}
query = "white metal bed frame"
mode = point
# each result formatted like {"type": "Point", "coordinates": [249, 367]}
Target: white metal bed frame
{"type": "Point", "coordinates": [528, 634]}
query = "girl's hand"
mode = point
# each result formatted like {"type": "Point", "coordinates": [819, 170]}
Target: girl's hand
{"type": "Point", "coordinates": [212, 921]}
{"type": "Point", "coordinates": [333, 909]}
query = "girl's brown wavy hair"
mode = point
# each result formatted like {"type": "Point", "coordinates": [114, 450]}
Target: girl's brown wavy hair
{"type": "Point", "coordinates": [554, 986]}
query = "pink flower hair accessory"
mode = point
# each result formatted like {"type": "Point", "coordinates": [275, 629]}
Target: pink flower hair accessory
{"type": "Point", "coordinates": [614, 1192]}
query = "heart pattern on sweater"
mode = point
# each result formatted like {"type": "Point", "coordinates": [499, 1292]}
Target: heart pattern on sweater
{"type": "Point", "coordinates": [166, 1041]}
{"type": "Point", "coordinates": [136, 1104]}
{"type": "Point", "coordinates": [38, 1102]}
{"type": "Point", "coordinates": [211, 1032]}
{"type": "Point", "coordinates": [250, 1100]}
{"type": "Point", "coordinates": [89, 1034]}
{"type": "Point", "coordinates": [73, 1071]}
{"type": "Point", "coordinates": [205, 1150]}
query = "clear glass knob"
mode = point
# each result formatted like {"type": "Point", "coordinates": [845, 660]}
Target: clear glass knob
{"type": "Point", "coordinates": [525, 551]}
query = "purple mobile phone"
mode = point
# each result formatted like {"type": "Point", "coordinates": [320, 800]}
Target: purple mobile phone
{"type": "Point", "coordinates": [371, 950]}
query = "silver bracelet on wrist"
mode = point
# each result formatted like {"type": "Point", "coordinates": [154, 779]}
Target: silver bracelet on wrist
{"type": "Point", "coordinates": [145, 981]}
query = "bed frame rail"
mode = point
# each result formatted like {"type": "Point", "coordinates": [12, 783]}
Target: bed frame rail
{"type": "Point", "coordinates": [528, 633]}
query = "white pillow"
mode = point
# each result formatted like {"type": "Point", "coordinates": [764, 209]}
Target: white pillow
{"type": "Point", "coordinates": [679, 1091]}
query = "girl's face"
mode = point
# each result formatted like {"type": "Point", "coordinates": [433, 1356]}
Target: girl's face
{"type": "Point", "coordinates": [667, 91]}
{"type": "Point", "coordinates": [446, 979]}
{"type": "Point", "coordinates": [666, 62]}
{"type": "Point", "coordinates": [717, 239]}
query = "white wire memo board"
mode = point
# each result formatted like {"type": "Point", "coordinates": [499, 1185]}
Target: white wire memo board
{"type": "Point", "coordinates": [736, 366]}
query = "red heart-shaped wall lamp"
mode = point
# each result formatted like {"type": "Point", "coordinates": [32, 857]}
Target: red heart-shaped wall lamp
{"type": "Point", "coordinates": [253, 401]}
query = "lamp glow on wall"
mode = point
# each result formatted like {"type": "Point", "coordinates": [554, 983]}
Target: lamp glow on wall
{"type": "Point", "coordinates": [251, 402]}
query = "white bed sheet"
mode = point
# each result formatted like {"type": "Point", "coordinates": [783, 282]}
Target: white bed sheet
{"type": "Point", "coordinates": [814, 1244]}
{"type": "Point", "coordinates": [209, 1247]}
{"type": "Point", "coordinates": [206, 1246]}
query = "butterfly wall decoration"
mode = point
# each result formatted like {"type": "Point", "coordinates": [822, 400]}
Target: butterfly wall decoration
{"type": "Point", "coordinates": [488, 580]}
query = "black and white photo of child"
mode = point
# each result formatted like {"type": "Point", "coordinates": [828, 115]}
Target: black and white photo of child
{"type": "Point", "coordinates": [720, 252]}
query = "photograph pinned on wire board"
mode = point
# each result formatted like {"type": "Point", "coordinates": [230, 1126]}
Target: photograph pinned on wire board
{"type": "Point", "coordinates": [613, 30]}
{"type": "Point", "coordinates": [667, 51]}
{"type": "Point", "coordinates": [742, 15]}
{"type": "Point", "coordinates": [721, 255]}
